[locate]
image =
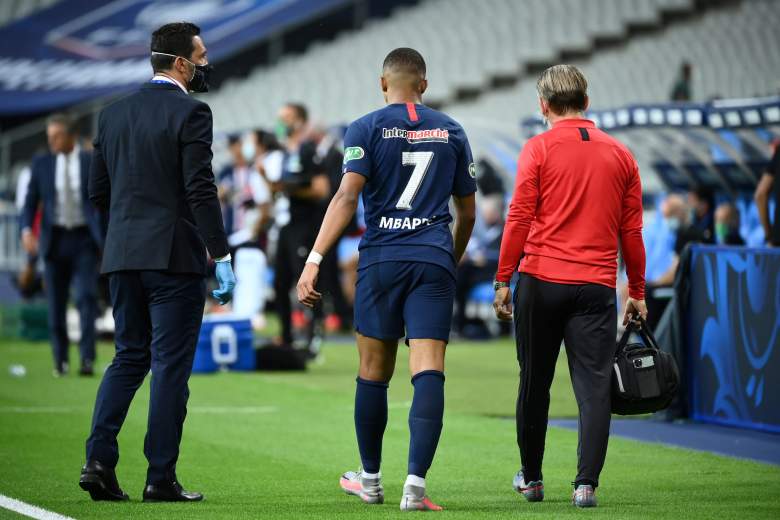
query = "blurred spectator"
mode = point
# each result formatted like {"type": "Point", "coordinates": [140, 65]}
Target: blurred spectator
{"type": "Point", "coordinates": [702, 203]}
{"type": "Point", "coordinates": [305, 183]}
{"type": "Point", "coordinates": [677, 217]}
{"type": "Point", "coordinates": [681, 91]}
{"type": "Point", "coordinates": [225, 180]}
{"type": "Point", "coordinates": [727, 224]}
{"type": "Point", "coordinates": [70, 239]}
{"type": "Point", "coordinates": [489, 181]}
{"type": "Point", "coordinates": [763, 192]}
{"type": "Point", "coordinates": [249, 198]}
{"type": "Point", "coordinates": [28, 281]}
{"type": "Point", "coordinates": [244, 193]}
{"type": "Point", "coordinates": [269, 161]}
{"type": "Point", "coordinates": [330, 157]}
{"type": "Point", "coordinates": [480, 262]}
{"type": "Point", "coordinates": [22, 183]}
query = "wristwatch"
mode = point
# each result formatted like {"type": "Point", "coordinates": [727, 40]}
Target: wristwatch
{"type": "Point", "coordinates": [499, 285]}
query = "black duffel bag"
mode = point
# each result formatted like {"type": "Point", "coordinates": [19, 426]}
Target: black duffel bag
{"type": "Point", "coordinates": [644, 378]}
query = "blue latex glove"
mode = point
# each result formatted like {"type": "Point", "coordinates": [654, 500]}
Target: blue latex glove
{"type": "Point", "coordinates": [227, 281]}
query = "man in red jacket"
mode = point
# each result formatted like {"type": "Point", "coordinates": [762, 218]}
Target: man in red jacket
{"type": "Point", "coordinates": [577, 196]}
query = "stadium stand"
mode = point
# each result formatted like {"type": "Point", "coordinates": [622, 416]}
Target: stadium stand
{"type": "Point", "coordinates": [473, 53]}
{"type": "Point", "coordinates": [644, 69]}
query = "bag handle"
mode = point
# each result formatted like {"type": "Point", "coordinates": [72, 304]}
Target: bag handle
{"type": "Point", "coordinates": [640, 327]}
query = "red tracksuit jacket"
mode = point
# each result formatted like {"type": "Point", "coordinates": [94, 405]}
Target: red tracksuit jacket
{"type": "Point", "coordinates": [577, 198]}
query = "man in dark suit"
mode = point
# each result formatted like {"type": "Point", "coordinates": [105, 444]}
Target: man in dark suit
{"type": "Point", "coordinates": [70, 240]}
{"type": "Point", "coordinates": [152, 170]}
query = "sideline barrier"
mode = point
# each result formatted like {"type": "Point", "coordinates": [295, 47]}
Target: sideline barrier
{"type": "Point", "coordinates": [733, 336]}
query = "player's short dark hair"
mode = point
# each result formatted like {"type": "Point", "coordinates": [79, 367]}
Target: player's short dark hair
{"type": "Point", "coordinates": [66, 120]}
{"type": "Point", "coordinates": [406, 60]}
{"type": "Point", "coordinates": [300, 111]}
{"type": "Point", "coordinates": [233, 139]}
{"type": "Point", "coordinates": [172, 38]}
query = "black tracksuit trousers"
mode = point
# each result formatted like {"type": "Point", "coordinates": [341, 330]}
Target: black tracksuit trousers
{"type": "Point", "coordinates": [584, 318]}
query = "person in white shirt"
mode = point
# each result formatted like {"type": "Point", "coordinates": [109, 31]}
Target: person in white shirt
{"type": "Point", "coordinates": [71, 237]}
{"type": "Point", "coordinates": [247, 203]}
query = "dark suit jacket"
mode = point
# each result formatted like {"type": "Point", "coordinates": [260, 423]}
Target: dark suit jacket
{"type": "Point", "coordinates": [42, 189]}
{"type": "Point", "coordinates": [152, 171]}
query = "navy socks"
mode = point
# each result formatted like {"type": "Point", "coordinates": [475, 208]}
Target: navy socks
{"type": "Point", "coordinates": [425, 420]}
{"type": "Point", "coordinates": [370, 421]}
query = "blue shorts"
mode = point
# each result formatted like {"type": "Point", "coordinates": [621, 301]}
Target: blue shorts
{"type": "Point", "coordinates": [391, 296]}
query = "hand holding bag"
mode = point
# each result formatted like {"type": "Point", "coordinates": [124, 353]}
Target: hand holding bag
{"type": "Point", "coordinates": [644, 378]}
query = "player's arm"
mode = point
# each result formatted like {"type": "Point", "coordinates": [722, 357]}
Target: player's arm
{"type": "Point", "coordinates": [340, 212]}
{"type": "Point", "coordinates": [633, 248]}
{"type": "Point", "coordinates": [522, 212]}
{"type": "Point", "coordinates": [464, 187]}
{"type": "Point", "coordinates": [465, 216]}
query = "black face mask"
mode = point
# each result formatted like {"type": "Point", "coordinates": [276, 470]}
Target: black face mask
{"type": "Point", "coordinates": [199, 82]}
{"type": "Point", "coordinates": [200, 78]}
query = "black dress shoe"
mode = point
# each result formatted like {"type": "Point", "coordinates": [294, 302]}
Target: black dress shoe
{"type": "Point", "coordinates": [101, 482]}
{"type": "Point", "coordinates": [87, 369]}
{"type": "Point", "coordinates": [170, 492]}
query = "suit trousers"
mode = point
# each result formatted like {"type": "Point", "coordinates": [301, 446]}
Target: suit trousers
{"type": "Point", "coordinates": [158, 317]}
{"type": "Point", "coordinates": [72, 257]}
{"type": "Point", "coordinates": [584, 317]}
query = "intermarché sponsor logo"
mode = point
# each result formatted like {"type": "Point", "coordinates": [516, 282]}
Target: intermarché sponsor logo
{"type": "Point", "coordinates": [433, 135]}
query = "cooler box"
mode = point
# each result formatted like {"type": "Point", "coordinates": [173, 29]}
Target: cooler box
{"type": "Point", "coordinates": [224, 341]}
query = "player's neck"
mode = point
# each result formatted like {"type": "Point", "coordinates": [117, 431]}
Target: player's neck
{"type": "Point", "coordinates": [403, 96]}
{"type": "Point", "coordinates": [553, 118]}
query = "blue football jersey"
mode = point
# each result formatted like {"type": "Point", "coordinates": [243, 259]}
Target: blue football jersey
{"type": "Point", "coordinates": [414, 159]}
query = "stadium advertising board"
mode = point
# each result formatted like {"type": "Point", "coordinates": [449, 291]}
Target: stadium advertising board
{"type": "Point", "coordinates": [81, 49]}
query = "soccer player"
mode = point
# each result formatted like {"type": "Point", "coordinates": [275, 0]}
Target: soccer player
{"type": "Point", "coordinates": [407, 160]}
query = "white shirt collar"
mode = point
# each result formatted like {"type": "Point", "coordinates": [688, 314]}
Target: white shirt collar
{"type": "Point", "coordinates": [160, 77]}
{"type": "Point", "coordinates": [73, 153]}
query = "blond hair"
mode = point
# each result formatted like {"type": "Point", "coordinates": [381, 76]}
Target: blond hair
{"type": "Point", "coordinates": [564, 88]}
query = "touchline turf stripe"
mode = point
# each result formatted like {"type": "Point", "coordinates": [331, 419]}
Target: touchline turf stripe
{"type": "Point", "coordinates": [29, 510]}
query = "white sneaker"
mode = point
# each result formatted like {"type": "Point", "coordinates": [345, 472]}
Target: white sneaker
{"type": "Point", "coordinates": [584, 496]}
{"type": "Point", "coordinates": [414, 499]}
{"type": "Point", "coordinates": [532, 491]}
{"type": "Point", "coordinates": [369, 490]}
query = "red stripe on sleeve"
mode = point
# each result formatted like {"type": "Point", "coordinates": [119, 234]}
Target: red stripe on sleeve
{"type": "Point", "coordinates": [412, 112]}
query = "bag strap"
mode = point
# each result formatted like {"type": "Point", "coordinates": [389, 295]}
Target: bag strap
{"type": "Point", "coordinates": [647, 334]}
{"type": "Point", "coordinates": [641, 328]}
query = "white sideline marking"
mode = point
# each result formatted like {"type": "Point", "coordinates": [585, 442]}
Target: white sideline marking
{"type": "Point", "coordinates": [192, 409]}
{"type": "Point", "coordinates": [41, 409]}
{"type": "Point", "coordinates": [29, 510]}
{"type": "Point", "coordinates": [233, 409]}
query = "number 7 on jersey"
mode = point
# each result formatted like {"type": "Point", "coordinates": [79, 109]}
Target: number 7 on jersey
{"type": "Point", "coordinates": [421, 161]}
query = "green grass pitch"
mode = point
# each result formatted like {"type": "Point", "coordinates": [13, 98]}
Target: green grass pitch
{"type": "Point", "coordinates": [273, 446]}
